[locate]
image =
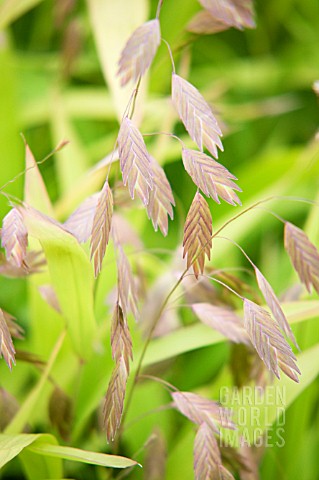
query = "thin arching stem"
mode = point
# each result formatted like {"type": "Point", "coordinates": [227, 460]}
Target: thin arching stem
{"type": "Point", "coordinates": [159, 7]}
{"type": "Point", "coordinates": [167, 134]}
{"type": "Point", "coordinates": [240, 248]}
{"type": "Point", "coordinates": [170, 54]}
{"type": "Point", "coordinates": [215, 272]}
{"type": "Point", "coordinates": [224, 285]}
{"type": "Point", "coordinates": [55, 150]}
{"type": "Point", "coordinates": [166, 384]}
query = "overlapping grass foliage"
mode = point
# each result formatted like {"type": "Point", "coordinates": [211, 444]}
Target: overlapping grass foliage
{"type": "Point", "coordinates": [58, 66]}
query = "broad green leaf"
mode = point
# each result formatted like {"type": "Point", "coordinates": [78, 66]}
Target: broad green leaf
{"type": "Point", "coordinates": [35, 192]}
{"type": "Point", "coordinates": [43, 334]}
{"type": "Point", "coordinates": [110, 38]}
{"type": "Point", "coordinates": [47, 446]}
{"type": "Point", "coordinates": [72, 278]}
{"type": "Point", "coordinates": [84, 456]}
{"type": "Point", "coordinates": [38, 467]}
{"type": "Point", "coordinates": [12, 445]}
{"type": "Point", "coordinates": [10, 10]}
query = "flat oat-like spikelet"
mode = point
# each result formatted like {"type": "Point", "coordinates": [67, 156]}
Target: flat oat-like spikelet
{"type": "Point", "coordinates": [198, 230]}
{"type": "Point", "coordinates": [139, 51]}
{"type": "Point", "coordinates": [127, 290]}
{"type": "Point", "coordinates": [114, 399]}
{"type": "Point", "coordinates": [268, 340]}
{"type": "Point", "coordinates": [207, 458]}
{"type": "Point", "coordinates": [6, 345]}
{"type": "Point", "coordinates": [303, 255]}
{"type": "Point", "coordinates": [135, 161]}
{"type": "Point", "coordinates": [205, 23]}
{"type": "Point", "coordinates": [223, 320]}
{"type": "Point", "coordinates": [199, 410]}
{"type": "Point", "coordinates": [274, 305]}
{"type": "Point", "coordinates": [121, 342]}
{"type": "Point", "coordinates": [210, 176]}
{"type": "Point", "coordinates": [234, 13]}
{"type": "Point", "coordinates": [196, 115]}
{"type": "Point", "coordinates": [80, 222]}
{"type": "Point", "coordinates": [161, 199]}
{"type": "Point", "coordinates": [14, 237]}
{"type": "Point", "coordinates": [101, 227]}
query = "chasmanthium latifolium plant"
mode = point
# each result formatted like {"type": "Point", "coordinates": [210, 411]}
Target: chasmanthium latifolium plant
{"type": "Point", "coordinates": [264, 331]}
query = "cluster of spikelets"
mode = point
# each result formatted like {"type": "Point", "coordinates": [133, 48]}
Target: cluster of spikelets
{"type": "Point", "coordinates": [144, 177]}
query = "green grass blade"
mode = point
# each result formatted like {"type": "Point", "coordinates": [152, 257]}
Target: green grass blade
{"type": "Point", "coordinates": [83, 456]}
{"type": "Point", "coordinates": [13, 445]}
{"type": "Point", "coordinates": [72, 278]}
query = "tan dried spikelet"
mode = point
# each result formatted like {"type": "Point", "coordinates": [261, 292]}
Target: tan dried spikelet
{"type": "Point", "coordinates": [210, 176]}
{"type": "Point", "coordinates": [6, 346]}
{"type": "Point", "coordinates": [303, 255]}
{"type": "Point", "coordinates": [161, 200]}
{"type": "Point", "coordinates": [198, 230]}
{"type": "Point", "coordinates": [101, 227]}
{"type": "Point", "coordinates": [135, 161]}
{"type": "Point", "coordinates": [14, 237]}
{"type": "Point", "coordinates": [121, 342]}
{"type": "Point", "coordinates": [114, 399]}
{"type": "Point", "coordinates": [139, 51]}
{"type": "Point", "coordinates": [196, 115]}
{"type": "Point", "coordinates": [268, 340]}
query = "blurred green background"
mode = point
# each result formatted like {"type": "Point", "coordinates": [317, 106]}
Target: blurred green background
{"type": "Point", "coordinates": [56, 71]}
